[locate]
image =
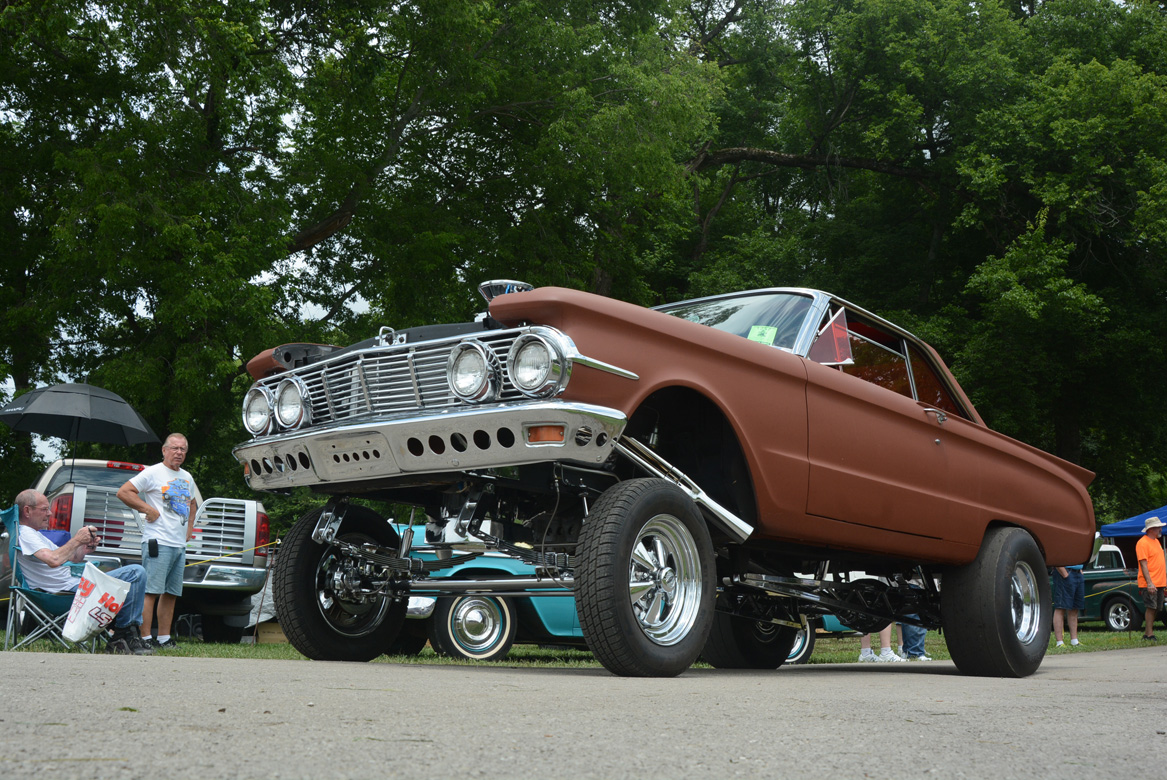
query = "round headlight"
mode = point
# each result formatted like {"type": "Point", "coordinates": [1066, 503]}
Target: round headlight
{"type": "Point", "coordinates": [291, 403]}
{"type": "Point", "coordinates": [536, 366]}
{"type": "Point", "coordinates": [257, 406]}
{"type": "Point", "coordinates": [472, 372]}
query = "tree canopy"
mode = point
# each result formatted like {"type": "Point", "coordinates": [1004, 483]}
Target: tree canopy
{"type": "Point", "coordinates": [186, 183]}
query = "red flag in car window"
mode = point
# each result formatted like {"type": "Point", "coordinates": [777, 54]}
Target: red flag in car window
{"type": "Point", "coordinates": [833, 345]}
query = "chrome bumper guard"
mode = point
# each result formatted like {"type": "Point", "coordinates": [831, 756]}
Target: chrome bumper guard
{"type": "Point", "coordinates": [471, 438]}
{"type": "Point", "coordinates": [218, 577]}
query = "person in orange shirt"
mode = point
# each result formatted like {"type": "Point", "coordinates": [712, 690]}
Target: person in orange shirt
{"type": "Point", "coordinates": [1152, 573]}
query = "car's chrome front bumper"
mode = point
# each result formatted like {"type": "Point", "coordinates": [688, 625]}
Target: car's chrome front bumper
{"type": "Point", "coordinates": [458, 440]}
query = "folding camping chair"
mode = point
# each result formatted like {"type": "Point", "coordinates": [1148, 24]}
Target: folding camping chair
{"type": "Point", "coordinates": [45, 613]}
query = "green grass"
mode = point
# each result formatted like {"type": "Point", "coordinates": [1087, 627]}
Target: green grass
{"type": "Point", "coordinates": [828, 649]}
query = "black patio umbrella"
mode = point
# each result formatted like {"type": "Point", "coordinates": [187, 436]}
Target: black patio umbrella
{"type": "Point", "coordinates": [78, 412]}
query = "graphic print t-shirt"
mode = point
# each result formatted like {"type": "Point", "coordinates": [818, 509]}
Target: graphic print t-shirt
{"type": "Point", "coordinates": [171, 493]}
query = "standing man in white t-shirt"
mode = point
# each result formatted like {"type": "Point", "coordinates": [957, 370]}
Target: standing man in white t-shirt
{"type": "Point", "coordinates": [166, 494]}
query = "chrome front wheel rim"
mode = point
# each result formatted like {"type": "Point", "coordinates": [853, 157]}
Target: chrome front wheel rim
{"type": "Point", "coordinates": [664, 580]}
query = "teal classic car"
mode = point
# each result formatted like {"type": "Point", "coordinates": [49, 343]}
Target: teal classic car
{"type": "Point", "coordinates": [484, 627]}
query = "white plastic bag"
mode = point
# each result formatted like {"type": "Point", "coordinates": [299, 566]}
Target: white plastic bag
{"type": "Point", "coordinates": [98, 600]}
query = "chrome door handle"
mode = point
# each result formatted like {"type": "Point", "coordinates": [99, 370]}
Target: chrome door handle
{"type": "Point", "coordinates": [941, 416]}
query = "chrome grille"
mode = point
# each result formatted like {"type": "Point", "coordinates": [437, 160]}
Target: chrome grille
{"type": "Point", "coordinates": [221, 532]}
{"type": "Point", "coordinates": [116, 523]}
{"type": "Point", "coordinates": [388, 380]}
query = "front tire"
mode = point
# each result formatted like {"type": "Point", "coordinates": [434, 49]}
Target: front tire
{"type": "Point", "coordinates": [474, 628]}
{"type": "Point", "coordinates": [319, 621]}
{"type": "Point", "coordinates": [996, 610]}
{"type": "Point", "coordinates": [645, 579]}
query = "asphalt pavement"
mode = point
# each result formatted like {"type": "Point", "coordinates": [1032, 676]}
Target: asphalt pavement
{"type": "Point", "coordinates": [1089, 715]}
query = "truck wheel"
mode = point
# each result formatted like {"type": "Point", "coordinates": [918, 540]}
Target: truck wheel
{"type": "Point", "coordinates": [645, 580]}
{"type": "Point", "coordinates": [319, 621]}
{"type": "Point", "coordinates": [996, 611]}
{"type": "Point", "coordinates": [1120, 615]}
{"type": "Point", "coordinates": [478, 628]}
{"type": "Point", "coordinates": [215, 629]}
{"type": "Point", "coordinates": [740, 643]}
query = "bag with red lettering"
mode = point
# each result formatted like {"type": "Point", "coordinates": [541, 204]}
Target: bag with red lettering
{"type": "Point", "coordinates": [98, 600]}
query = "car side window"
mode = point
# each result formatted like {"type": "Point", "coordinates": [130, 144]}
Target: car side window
{"type": "Point", "coordinates": [877, 360]}
{"type": "Point", "coordinates": [929, 387]}
{"type": "Point", "coordinates": [863, 350]}
{"type": "Point", "coordinates": [869, 352]}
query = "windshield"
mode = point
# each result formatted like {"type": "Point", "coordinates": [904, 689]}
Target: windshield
{"type": "Point", "coordinates": [769, 318]}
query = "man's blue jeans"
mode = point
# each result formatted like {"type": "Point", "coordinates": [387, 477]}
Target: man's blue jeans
{"type": "Point", "coordinates": [130, 615]}
{"type": "Point", "coordinates": [913, 639]}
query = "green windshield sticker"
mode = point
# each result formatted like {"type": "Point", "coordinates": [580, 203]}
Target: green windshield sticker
{"type": "Point", "coordinates": [763, 333]}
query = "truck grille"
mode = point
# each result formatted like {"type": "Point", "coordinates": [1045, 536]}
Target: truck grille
{"type": "Point", "coordinates": [396, 379]}
{"type": "Point", "coordinates": [221, 532]}
{"type": "Point", "coordinates": [116, 523]}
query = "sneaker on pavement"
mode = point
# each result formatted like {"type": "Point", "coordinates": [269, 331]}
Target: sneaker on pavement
{"type": "Point", "coordinates": [867, 657]}
{"type": "Point", "coordinates": [886, 656]}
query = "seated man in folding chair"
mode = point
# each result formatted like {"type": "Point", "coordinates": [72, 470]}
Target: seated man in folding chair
{"type": "Point", "coordinates": [45, 568]}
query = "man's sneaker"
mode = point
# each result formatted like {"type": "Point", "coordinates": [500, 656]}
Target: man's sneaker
{"type": "Point", "coordinates": [118, 646]}
{"type": "Point", "coordinates": [169, 644]}
{"type": "Point", "coordinates": [1073, 643]}
{"type": "Point", "coordinates": [886, 656]}
{"type": "Point", "coordinates": [128, 643]}
{"type": "Point", "coordinates": [140, 646]}
{"type": "Point", "coordinates": [924, 657]}
{"type": "Point", "coordinates": [1060, 644]}
{"type": "Point", "coordinates": [866, 656]}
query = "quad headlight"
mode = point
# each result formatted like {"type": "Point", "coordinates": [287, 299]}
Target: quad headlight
{"type": "Point", "coordinates": [257, 410]}
{"type": "Point", "coordinates": [292, 408]}
{"type": "Point", "coordinates": [537, 366]}
{"type": "Point", "coordinates": [473, 372]}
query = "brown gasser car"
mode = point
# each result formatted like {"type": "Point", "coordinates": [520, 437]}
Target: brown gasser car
{"type": "Point", "coordinates": [674, 469]}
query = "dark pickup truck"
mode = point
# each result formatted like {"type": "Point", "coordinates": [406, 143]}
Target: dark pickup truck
{"type": "Point", "coordinates": [1112, 591]}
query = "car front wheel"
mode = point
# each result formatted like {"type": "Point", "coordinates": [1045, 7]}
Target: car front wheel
{"type": "Point", "coordinates": [318, 591]}
{"type": "Point", "coordinates": [645, 579]}
{"type": "Point", "coordinates": [996, 610]}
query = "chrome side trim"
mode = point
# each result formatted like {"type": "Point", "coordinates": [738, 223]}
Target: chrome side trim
{"type": "Point", "coordinates": [654, 464]}
{"type": "Point", "coordinates": [600, 365]}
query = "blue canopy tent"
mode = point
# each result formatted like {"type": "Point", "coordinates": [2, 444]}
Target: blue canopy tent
{"type": "Point", "coordinates": [1132, 526]}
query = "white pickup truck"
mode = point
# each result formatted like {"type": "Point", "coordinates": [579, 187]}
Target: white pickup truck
{"type": "Point", "coordinates": [226, 560]}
